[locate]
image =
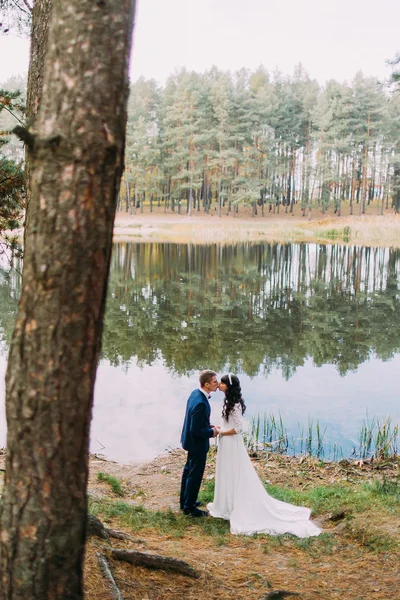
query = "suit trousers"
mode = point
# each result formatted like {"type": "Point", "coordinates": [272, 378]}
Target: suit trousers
{"type": "Point", "coordinates": [192, 475]}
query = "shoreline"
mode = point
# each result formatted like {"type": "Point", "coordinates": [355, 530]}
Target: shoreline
{"type": "Point", "coordinates": [366, 230]}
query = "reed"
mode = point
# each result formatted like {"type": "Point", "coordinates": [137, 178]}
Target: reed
{"type": "Point", "coordinates": [386, 439]}
{"type": "Point", "coordinates": [378, 439]}
{"type": "Point", "coordinates": [268, 433]}
{"type": "Point", "coordinates": [365, 438]}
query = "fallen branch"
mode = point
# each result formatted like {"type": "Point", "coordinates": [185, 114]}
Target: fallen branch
{"type": "Point", "coordinates": [153, 561]}
{"type": "Point", "coordinates": [106, 572]}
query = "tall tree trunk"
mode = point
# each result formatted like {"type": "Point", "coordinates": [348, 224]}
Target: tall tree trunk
{"type": "Point", "coordinates": [288, 198]}
{"type": "Point", "coordinates": [364, 172]}
{"type": "Point", "coordinates": [190, 199]}
{"type": "Point", "coordinates": [76, 149]}
{"type": "Point", "coordinates": [358, 181]}
{"type": "Point", "coordinates": [221, 183]}
{"type": "Point", "coordinates": [293, 190]}
{"type": "Point", "coordinates": [353, 182]}
{"type": "Point", "coordinates": [41, 15]}
{"type": "Point", "coordinates": [396, 181]}
{"type": "Point", "coordinates": [166, 196]}
{"type": "Point", "coordinates": [128, 196]}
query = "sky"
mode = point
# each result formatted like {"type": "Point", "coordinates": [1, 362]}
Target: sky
{"type": "Point", "coordinates": [331, 38]}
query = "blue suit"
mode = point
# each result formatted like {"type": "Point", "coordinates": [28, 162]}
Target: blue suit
{"type": "Point", "coordinates": [196, 434]}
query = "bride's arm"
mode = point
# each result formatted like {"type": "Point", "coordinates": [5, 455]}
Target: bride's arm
{"type": "Point", "coordinates": [237, 420]}
{"type": "Point", "coordinates": [229, 432]}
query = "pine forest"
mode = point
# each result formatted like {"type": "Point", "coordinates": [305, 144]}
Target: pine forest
{"type": "Point", "coordinates": [217, 140]}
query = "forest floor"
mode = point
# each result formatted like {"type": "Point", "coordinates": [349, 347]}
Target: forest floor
{"type": "Point", "coordinates": [366, 230]}
{"type": "Point", "coordinates": [356, 558]}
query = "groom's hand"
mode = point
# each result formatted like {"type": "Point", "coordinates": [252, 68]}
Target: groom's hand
{"type": "Point", "coordinates": [215, 431]}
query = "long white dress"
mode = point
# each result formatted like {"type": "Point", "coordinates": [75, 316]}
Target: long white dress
{"type": "Point", "coordinates": [241, 498]}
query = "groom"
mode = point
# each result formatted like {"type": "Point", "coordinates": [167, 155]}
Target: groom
{"type": "Point", "coordinates": [196, 433]}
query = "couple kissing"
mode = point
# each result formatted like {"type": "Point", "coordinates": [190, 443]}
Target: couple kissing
{"type": "Point", "coordinates": [239, 495]}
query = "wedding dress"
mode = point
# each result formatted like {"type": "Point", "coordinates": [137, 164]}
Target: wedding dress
{"type": "Point", "coordinates": [241, 498]}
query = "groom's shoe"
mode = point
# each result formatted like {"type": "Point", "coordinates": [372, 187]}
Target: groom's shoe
{"type": "Point", "coordinates": [195, 512]}
{"type": "Point", "coordinates": [196, 504]}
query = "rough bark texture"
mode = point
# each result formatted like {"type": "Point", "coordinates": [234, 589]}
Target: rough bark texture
{"type": "Point", "coordinates": [76, 156]}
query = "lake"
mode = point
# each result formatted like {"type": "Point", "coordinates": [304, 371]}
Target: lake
{"type": "Point", "coordinates": [313, 331]}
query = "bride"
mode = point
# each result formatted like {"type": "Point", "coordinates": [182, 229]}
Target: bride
{"type": "Point", "coordinates": [239, 495]}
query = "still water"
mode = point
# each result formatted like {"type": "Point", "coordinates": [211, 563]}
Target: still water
{"type": "Point", "coordinates": [313, 332]}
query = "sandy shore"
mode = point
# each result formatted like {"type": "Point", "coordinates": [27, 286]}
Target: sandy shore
{"type": "Point", "coordinates": [367, 230]}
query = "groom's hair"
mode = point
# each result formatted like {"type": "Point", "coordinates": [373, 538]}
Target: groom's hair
{"type": "Point", "coordinates": [206, 376]}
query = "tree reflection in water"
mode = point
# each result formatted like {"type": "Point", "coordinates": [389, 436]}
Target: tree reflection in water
{"type": "Point", "coordinates": [251, 308]}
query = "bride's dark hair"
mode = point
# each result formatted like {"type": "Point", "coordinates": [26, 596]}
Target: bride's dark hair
{"type": "Point", "coordinates": [233, 395]}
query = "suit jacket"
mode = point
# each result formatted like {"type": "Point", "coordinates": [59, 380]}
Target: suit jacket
{"type": "Point", "coordinates": [197, 431]}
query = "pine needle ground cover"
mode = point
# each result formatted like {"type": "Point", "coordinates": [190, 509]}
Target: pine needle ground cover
{"type": "Point", "coordinates": [356, 503]}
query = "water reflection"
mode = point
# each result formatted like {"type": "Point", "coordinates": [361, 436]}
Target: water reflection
{"type": "Point", "coordinates": [312, 330]}
{"type": "Point", "coordinates": [252, 308]}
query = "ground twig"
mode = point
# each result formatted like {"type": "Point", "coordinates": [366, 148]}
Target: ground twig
{"type": "Point", "coordinates": [106, 572]}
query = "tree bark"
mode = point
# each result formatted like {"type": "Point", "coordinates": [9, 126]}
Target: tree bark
{"type": "Point", "coordinates": [76, 152]}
